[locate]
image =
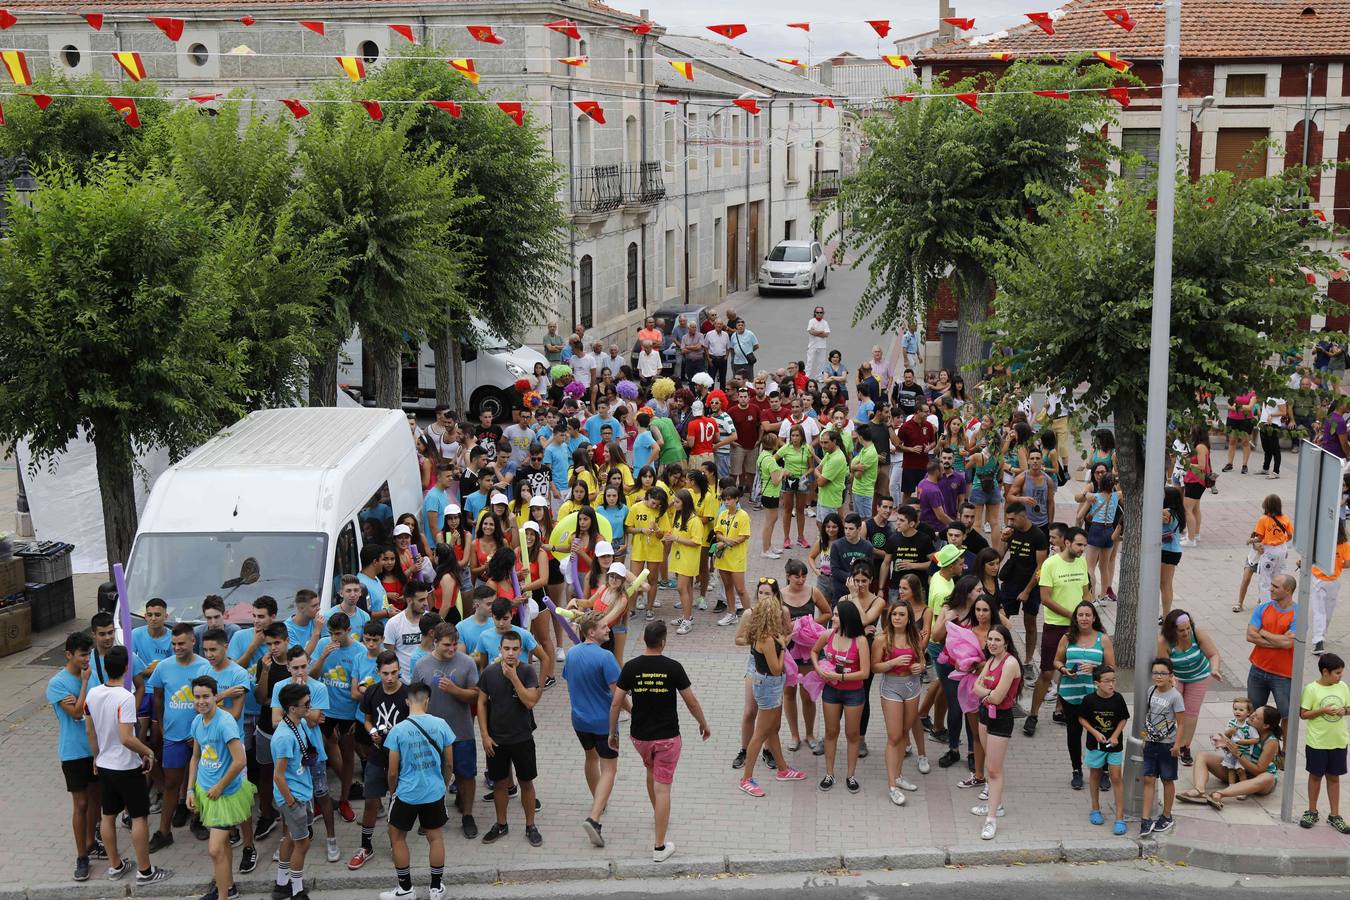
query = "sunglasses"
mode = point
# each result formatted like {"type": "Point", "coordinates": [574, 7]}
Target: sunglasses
{"type": "Point", "coordinates": [768, 581]}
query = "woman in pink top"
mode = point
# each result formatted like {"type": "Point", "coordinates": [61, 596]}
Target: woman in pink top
{"type": "Point", "coordinates": [1241, 424]}
{"type": "Point", "coordinates": [841, 659]}
{"type": "Point", "coordinates": [897, 653]}
{"type": "Point", "coordinates": [996, 688]}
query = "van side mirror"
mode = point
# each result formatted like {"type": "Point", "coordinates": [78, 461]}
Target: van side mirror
{"type": "Point", "coordinates": [467, 352]}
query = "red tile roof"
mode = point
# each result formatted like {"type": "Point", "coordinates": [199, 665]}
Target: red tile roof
{"type": "Point", "coordinates": [1210, 29]}
{"type": "Point", "coordinates": [316, 8]}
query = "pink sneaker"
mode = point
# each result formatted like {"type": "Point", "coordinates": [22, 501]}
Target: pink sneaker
{"type": "Point", "coordinates": [790, 775]}
{"type": "Point", "coordinates": [802, 542]}
{"type": "Point", "coordinates": [749, 786]}
{"type": "Point", "coordinates": [787, 543]}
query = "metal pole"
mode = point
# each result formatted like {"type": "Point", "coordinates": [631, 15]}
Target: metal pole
{"type": "Point", "coordinates": [1307, 114]}
{"type": "Point", "coordinates": [1150, 560]}
{"type": "Point", "coordinates": [1295, 690]}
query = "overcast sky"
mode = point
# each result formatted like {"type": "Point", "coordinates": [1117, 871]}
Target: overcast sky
{"type": "Point", "coordinates": [836, 26]}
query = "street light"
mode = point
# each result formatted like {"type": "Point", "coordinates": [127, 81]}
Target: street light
{"type": "Point", "coordinates": [15, 173]}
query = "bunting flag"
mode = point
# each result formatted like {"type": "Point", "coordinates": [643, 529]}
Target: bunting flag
{"type": "Point", "coordinates": [730, 32]}
{"type": "Point", "coordinates": [2, 115]}
{"type": "Point", "coordinates": [298, 109]}
{"type": "Point", "coordinates": [795, 63]}
{"type": "Point", "coordinates": [42, 100]}
{"type": "Point", "coordinates": [668, 101]}
{"type": "Point", "coordinates": [372, 109]}
{"type": "Point", "coordinates": [576, 61]}
{"type": "Point", "coordinates": [824, 101]}
{"type": "Point", "coordinates": [130, 61]}
{"type": "Point", "coordinates": [898, 62]}
{"type": "Point", "coordinates": [684, 68]}
{"type": "Point", "coordinates": [485, 34]}
{"type": "Point", "coordinates": [748, 104]}
{"type": "Point", "coordinates": [804, 26]}
{"type": "Point", "coordinates": [172, 28]}
{"type": "Point", "coordinates": [1310, 277]}
{"type": "Point", "coordinates": [1320, 215]}
{"type": "Point", "coordinates": [963, 24]}
{"type": "Point", "coordinates": [354, 66]}
{"type": "Point", "coordinates": [465, 68]}
{"type": "Point", "coordinates": [316, 27]}
{"type": "Point", "coordinates": [592, 109]}
{"type": "Point", "coordinates": [971, 100]}
{"type": "Point", "coordinates": [127, 107]}
{"type": "Point", "coordinates": [405, 30]}
{"type": "Point", "coordinates": [1121, 16]}
{"type": "Point", "coordinates": [1043, 20]}
{"type": "Point", "coordinates": [641, 28]}
{"type": "Point", "coordinates": [881, 26]}
{"type": "Point", "coordinates": [6, 19]}
{"type": "Point", "coordinates": [900, 98]}
{"type": "Point", "coordinates": [1001, 57]}
{"type": "Point", "coordinates": [16, 63]}
{"type": "Point", "coordinates": [513, 109]}
{"type": "Point", "coordinates": [1119, 94]}
{"type": "Point", "coordinates": [449, 106]}
{"type": "Point", "coordinates": [567, 27]}
{"type": "Point", "coordinates": [94, 20]}
{"type": "Point", "coordinates": [1053, 95]}
{"type": "Point", "coordinates": [247, 20]}
{"type": "Point", "coordinates": [205, 98]}
{"type": "Point", "coordinates": [1115, 62]}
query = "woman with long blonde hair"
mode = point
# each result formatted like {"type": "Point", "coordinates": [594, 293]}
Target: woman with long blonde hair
{"type": "Point", "coordinates": [765, 632]}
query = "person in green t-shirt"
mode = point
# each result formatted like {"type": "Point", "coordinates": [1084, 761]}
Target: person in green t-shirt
{"type": "Point", "coordinates": [1064, 583]}
{"type": "Point", "coordinates": [950, 562]}
{"type": "Point", "coordinates": [1324, 705]}
{"type": "Point", "coordinates": [831, 476]}
{"type": "Point", "coordinates": [672, 448]}
{"type": "Point", "coordinates": [864, 470]}
{"type": "Point", "coordinates": [770, 489]}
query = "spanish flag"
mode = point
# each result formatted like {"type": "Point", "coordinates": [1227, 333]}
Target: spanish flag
{"type": "Point", "coordinates": [592, 109]}
{"type": "Point", "coordinates": [577, 61]}
{"type": "Point", "coordinates": [485, 34]}
{"type": "Point", "coordinates": [449, 106]}
{"type": "Point", "coordinates": [1001, 57]}
{"type": "Point", "coordinates": [513, 109]}
{"type": "Point", "coordinates": [684, 68]}
{"type": "Point", "coordinates": [353, 66]}
{"type": "Point", "coordinates": [824, 101]}
{"type": "Point", "coordinates": [465, 68]}
{"type": "Point", "coordinates": [130, 61]}
{"type": "Point", "coordinates": [789, 61]}
{"type": "Point", "coordinates": [1115, 62]}
{"type": "Point", "coordinates": [898, 62]}
{"type": "Point", "coordinates": [127, 107]}
{"type": "Point", "coordinates": [17, 66]}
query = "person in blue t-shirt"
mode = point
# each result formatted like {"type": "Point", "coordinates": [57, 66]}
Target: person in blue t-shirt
{"type": "Point", "coordinates": [150, 644]}
{"type": "Point", "coordinates": [337, 663]}
{"type": "Point", "coordinates": [66, 693]}
{"type": "Point", "coordinates": [372, 564]}
{"type": "Point", "coordinates": [481, 620]}
{"type": "Point", "coordinates": [220, 795]}
{"type": "Point", "coordinates": [247, 646]}
{"type": "Point", "coordinates": [171, 685]}
{"type": "Point", "coordinates": [436, 501]}
{"type": "Point", "coordinates": [297, 664]}
{"type": "Point", "coordinates": [233, 682]}
{"type": "Point", "coordinates": [558, 461]}
{"type": "Point", "coordinates": [367, 666]}
{"type": "Point", "coordinates": [488, 645]}
{"type": "Point", "coordinates": [591, 672]}
{"type": "Point", "coordinates": [305, 626]}
{"type": "Point", "coordinates": [293, 753]}
{"type": "Point", "coordinates": [599, 420]}
{"type": "Point", "coordinates": [644, 445]}
{"type": "Point", "coordinates": [420, 764]}
{"type": "Point", "coordinates": [213, 616]}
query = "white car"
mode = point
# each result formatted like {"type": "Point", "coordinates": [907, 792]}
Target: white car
{"type": "Point", "coordinates": [794, 266]}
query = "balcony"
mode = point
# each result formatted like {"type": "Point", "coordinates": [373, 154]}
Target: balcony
{"type": "Point", "coordinates": [824, 185]}
{"type": "Point", "coordinates": [596, 192]}
{"type": "Point", "coordinates": [642, 183]}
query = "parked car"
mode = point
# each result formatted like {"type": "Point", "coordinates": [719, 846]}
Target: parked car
{"type": "Point", "coordinates": [794, 266]}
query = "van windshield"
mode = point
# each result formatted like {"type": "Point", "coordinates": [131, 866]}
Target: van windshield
{"type": "Point", "coordinates": [184, 569]}
{"type": "Point", "coordinates": [490, 342]}
{"type": "Point", "coordinates": [784, 253]}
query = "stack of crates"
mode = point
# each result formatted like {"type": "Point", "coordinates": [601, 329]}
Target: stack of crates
{"type": "Point", "coordinates": [49, 583]}
{"type": "Point", "coordinates": [15, 620]}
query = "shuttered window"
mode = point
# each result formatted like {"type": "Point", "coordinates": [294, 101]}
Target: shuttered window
{"type": "Point", "coordinates": [1143, 143]}
{"type": "Point", "coordinates": [1234, 152]}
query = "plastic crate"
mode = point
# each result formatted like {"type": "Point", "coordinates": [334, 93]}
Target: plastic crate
{"type": "Point", "coordinates": [46, 562]}
{"type": "Point", "coordinates": [52, 604]}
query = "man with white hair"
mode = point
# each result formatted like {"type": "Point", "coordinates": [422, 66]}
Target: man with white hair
{"type": "Point", "coordinates": [649, 362]}
{"type": "Point", "coordinates": [612, 361]}
{"type": "Point", "coordinates": [882, 371]}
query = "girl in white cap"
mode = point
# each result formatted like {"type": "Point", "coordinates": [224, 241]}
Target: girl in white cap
{"type": "Point", "coordinates": [611, 601]}
{"type": "Point", "coordinates": [533, 585]}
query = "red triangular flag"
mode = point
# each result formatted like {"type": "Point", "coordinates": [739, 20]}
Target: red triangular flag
{"type": "Point", "coordinates": [172, 28]}
{"type": "Point", "coordinates": [1042, 19]}
{"type": "Point", "coordinates": [42, 100]}
{"type": "Point", "coordinates": [667, 101]}
{"type": "Point", "coordinates": [1053, 95]}
{"type": "Point", "coordinates": [405, 30]}
{"type": "Point", "coordinates": [513, 109]}
{"type": "Point", "coordinates": [1121, 16]}
{"type": "Point", "coordinates": [2, 115]}
{"type": "Point", "coordinates": [485, 34]}
{"type": "Point", "coordinates": [298, 109]}
{"type": "Point", "coordinates": [372, 108]}
{"type": "Point", "coordinates": [881, 26]}
{"type": "Point", "coordinates": [824, 101]}
{"type": "Point", "coordinates": [1320, 215]}
{"type": "Point", "coordinates": [900, 98]}
{"type": "Point", "coordinates": [732, 31]}
{"type": "Point", "coordinates": [6, 19]}
{"type": "Point", "coordinates": [1310, 277]}
{"type": "Point", "coordinates": [449, 106]}
{"type": "Point", "coordinates": [1119, 94]}
{"type": "Point", "coordinates": [963, 24]}
{"type": "Point", "coordinates": [567, 27]}
{"type": "Point", "coordinates": [804, 26]}
{"type": "Point", "coordinates": [748, 104]}
{"type": "Point", "coordinates": [247, 20]}
{"type": "Point", "coordinates": [641, 28]}
{"type": "Point", "coordinates": [1345, 253]}
{"type": "Point", "coordinates": [127, 107]}
{"type": "Point", "coordinates": [971, 100]}
{"type": "Point", "coordinates": [204, 98]}
{"type": "Point", "coordinates": [592, 109]}
{"type": "Point", "coordinates": [316, 27]}
{"type": "Point", "coordinates": [95, 20]}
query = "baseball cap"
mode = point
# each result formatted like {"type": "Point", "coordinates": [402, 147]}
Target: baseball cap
{"type": "Point", "coordinates": [539, 501]}
{"type": "Point", "coordinates": [948, 555]}
{"type": "Point", "coordinates": [499, 497]}
{"type": "Point", "coordinates": [617, 568]}
{"type": "Point", "coordinates": [603, 548]}
{"type": "Point", "coordinates": [533, 526]}
{"type": "Point", "coordinates": [453, 510]}
{"type": "Point", "coordinates": [402, 529]}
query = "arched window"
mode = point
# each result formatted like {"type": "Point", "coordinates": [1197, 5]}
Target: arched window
{"type": "Point", "coordinates": [632, 276]}
{"type": "Point", "coordinates": [631, 139]}
{"type": "Point", "coordinates": [586, 292]}
{"type": "Point", "coordinates": [583, 160]}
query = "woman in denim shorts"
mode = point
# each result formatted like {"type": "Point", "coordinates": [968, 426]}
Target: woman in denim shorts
{"type": "Point", "coordinates": [842, 659]}
{"type": "Point", "coordinates": [986, 494]}
{"type": "Point", "coordinates": [765, 632]}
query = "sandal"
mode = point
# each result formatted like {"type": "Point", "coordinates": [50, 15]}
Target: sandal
{"type": "Point", "coordinates": [1309, 819]}
{"type": "Point", "coordinates": [1192, 796]}
{"type": "Point", "coordinates": [1215, 800]}
{"type": "Point", "coordinates": [1237, 607]}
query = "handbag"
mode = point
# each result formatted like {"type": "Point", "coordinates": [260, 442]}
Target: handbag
{"type": "Point", "coordinates": [749, 357]}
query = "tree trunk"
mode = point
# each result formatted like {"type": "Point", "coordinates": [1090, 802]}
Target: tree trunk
{"type": "Point", "coordinates": [440, 346]}
{"type": "Point", "coordinates": [457, 366]}
{"type": "Point", "coordinates": [117, 492]}
{"type": "Point", "coordinates": [389, 384]}
{"type": "Point", "coordinates": [1130, 464]}
{"type": "Point", "coordinates": [323, 380]}
{"type": "Point", "coordinates": [973, 309]}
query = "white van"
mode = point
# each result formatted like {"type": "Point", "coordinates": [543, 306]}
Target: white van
{"type": "Point", "coordinates": [280, 501]}
{"type": "Point", "coordinates": [494, 364]}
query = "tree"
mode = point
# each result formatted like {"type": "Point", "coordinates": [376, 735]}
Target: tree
{"type": "Point", "coordinates": [111, 324]}
{"type": "Point", "coordinates": [940, 178]}
{"type": "Point", "coordinates": [393, 212]}
{"type": "Point", "coordinates": [1075, 301]}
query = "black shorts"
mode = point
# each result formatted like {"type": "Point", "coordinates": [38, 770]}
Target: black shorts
{"type": "Point", "coordinates": [910, 478]}
{"type": "Point", "coordinates": [1012, 606]}
{"type": "Point", "coordinates": [337, 727]}
{"type": "Point", "coordinates": [597, 742]}
{"type": "Point", "coordinates": [1193, 490]}
{"type": "Point", "coordinates": [1324, 762]}
{"type": "Point", "coordinates": [769, 502]}
{"type": "Point", "coordinates": [1001, 725]}
{"type": "Point", "coordinates": [555, 575]}
{"type": "Point", "coordinates": [406, 816]}
{"type": "Point", "coordinates": [1246, 426]}
{"type": "Point", "coordinates": [1171, 557]}
{"type": "Point", "coordinates": [125, 790]}
{"type": "Point", "coordinates": [79, 774]}
{"type": "Point", "coordinates": [518, 757]}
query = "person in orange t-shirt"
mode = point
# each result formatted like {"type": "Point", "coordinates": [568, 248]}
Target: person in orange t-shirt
{"type": "Point", "coordinates": [1325, 587]}
{"type": "Point", "coordinates": [1271, 631]}
{"type": "Point", "coordinates": [1270, 539]}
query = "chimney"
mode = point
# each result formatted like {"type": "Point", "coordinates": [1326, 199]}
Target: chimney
{"type": "Point", "coordinates": [826, 76]}
{"type": "Point", "coordinates": [946, 31]}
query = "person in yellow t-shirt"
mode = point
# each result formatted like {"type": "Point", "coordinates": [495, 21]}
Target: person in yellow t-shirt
{"type": "Point", "coordinates": [687, 542]}
{"type": "Point", "coordinates": [730, 551]}
{"type": "Point", "coordinates": [703, 488]}
{"type": "Point", "coordinates": [644, 525]}
{"type": "Point", "coordinates": [579, 496]}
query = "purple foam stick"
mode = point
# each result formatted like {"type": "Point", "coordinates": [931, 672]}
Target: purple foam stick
{"type": "Point", "coordinates": [574, 566]}
{"type": "Point", "coordinates": [567, 626]}
{"type": "Point", "coordinates": [123, 615]}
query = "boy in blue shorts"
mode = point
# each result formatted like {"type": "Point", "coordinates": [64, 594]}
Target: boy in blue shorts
{"type": "Point", "coordinates": [1324, 704]}
{"type": "Point", "coordinates": [337, 662]}
{"type": "Point", "coordinates": [294, 755]}
{"type": "Point", "coordinates": [1103, 715]}
{"type": "Point", "coordinates": [171, 685]}
{"type": "Point", "coordinates": [1164, 704]}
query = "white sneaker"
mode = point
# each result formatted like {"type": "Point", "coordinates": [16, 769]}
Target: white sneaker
{"type": "Point", "coordinates": [399, 894]}
{"type": "Point", "coordinates": [1187, 542]}
{"type": "Point", "coordinates": [897, 796]}
{"type": "Point", "coordinates": [701, 604]}
{"type": "Point", "coordinates": [656, 604]}
{"type": "Point", "coordinates": [904, 785]}
{"type": "Point", "coordinates": [685, 627]}
{"type": "Point", "coordinates": [559, 655]}
{"type": "Point", "coordinates": [924, 766]}
{"type": "Point", "coordinates": [1051, 695]}
{"type": "Point", "coordinates": [984, 793]}
{"type": "Point", "coordinates": [728, 619]}
{"type": "Point", "coordinates": [771, 554]}
{"type": "Point", "coordinates": [641, 604]}
{"type": "Point", "coordinates": [983, 810]}
{"type": "Point", "coordinates": [989, 830]}
{"type": "Point", "coordinates": [333, 852]}
{"type": "Point", "coordinates": [810, 511]}
{"type": "Point", "coordinates": [436, 894]}
{"type": "Point", "coordinates": [665, 852]}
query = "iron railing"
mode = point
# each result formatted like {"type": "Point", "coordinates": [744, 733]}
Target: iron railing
{"type": "Point", "coordinates": [825, 184]}
{"type": "Point", "coordinates": [642, 183]}
{"type": "Point", "coordinates": [597, 189]}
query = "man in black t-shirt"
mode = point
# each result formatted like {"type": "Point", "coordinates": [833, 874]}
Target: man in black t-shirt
{"type": "Point", "coordinates": [847, 551]}
{"type": "Point", "coordinates": [383, 706]}
{"type": "Point", "coordinates": [488, 435]}
{"type": "Point", "coordinates": [652, 681]}
{"type": "Point", "coordinates": [881, 439]}
{"type": "Point", "coordinates": [1025, 548]}
{"type": "Point", "coordinates": [879, 533]}
{"type": "Point", "coordinates": [975, 541]}
{"type": "Point", "coordinates": [267, 672]}
{"type": "Point", "coordinates": [533, 474]}
{"type": "Point", "coordinates": [507, 692]}
{"type": "Point", "coordinates": [910, 548]}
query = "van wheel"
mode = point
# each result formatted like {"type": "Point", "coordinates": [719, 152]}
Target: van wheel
{"type": "Point", "coordinates": [811, 291]}
{"type": "Point", "coordinates": [490, 399]}
{"type": "Point", "coordinates": [824, 278]}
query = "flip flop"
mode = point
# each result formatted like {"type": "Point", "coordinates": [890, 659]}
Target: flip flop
{"type": "Point", "coordinates": [1192, 796]}
{"type": "Point", "coordinates": [1215, 801]}
{"type": "Point", "coordinates": [1237, 608]}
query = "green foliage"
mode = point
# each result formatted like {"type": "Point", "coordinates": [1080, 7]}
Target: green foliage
{"type": "Point", "coordinates": [939, 178]}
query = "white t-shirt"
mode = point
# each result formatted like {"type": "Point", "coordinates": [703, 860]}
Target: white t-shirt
{"type": "Point", "coordinates": [1269, 409]}
{"type": "Point", "coordinates": [108, 706]}
{"type": "Point", "coordinates": [814, 342]}
{"type": "Point", "coordinates": [582, 367]}
{"type": "Point", "coordinates": [718, 342]}
{"type": "Point", "coordinates": [404, 637]}
{"type": "Point", "coordinates": [649, 363]}
{"type": "Point", "coordinates": [810, 427]}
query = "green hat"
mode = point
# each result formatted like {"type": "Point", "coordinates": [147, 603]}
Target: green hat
{"type": "Point", "coordinates": [948, 555]}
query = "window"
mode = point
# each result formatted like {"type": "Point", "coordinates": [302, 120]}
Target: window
{"type": "Point", "coordinates": [820, 112]}
{"type": "Point", "coordinates": [1236, 152]}
{"type": "Point", "coordinates": [581, 51]}
{"type": "Point", "coordinates": [632, 277]}
{"type": "Point", "coordinates": [631, 143]}
{"type": "Point", "coordinates": [792, 112]}
{"type": "Point", "coordinates": [718, 133]}
{"type": "Point", "coordinates": [345, 559]}
{"type": "Point", "coordinates": [1141, 142]}
{"type": "Point", "coordinates": [719, 243]}
{"type": "Point", "coordinates": [789, 229]}
{"type": "Point", "coordinates": [198, 54]}
{"type": "Point", "coordinates": [369, 50]}
{"type": "Point", "coordinates": [70, 56]}
{"type": "Point", "coordinates": [690, 126]}
{"type": "Point", "coordinates": [691, 247]}
{"type": "Point", "coordinates": [670, 257]}
{"type": "Point", "coordinates": [583, 160]}
{"type": "Point", "coordinates": [587, 292]}
{"type": "Point", "coordinates": [754, 125]}
{"type": "Point", "coordinates": [791, 175]}
{"type": "Point", "coordinates": [632, 60]}
{"type": "Point", "coordinates": [668, 142]}
{"type": "Point", "coordinates": [1246, 85]}
{"type": "Point", "coordinates": [735, 139]}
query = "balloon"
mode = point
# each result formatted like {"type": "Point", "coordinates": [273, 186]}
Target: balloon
{"type": "Point", "coordinates": [562, 533]}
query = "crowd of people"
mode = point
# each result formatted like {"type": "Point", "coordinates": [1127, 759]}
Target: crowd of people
{"type": "Point", "coordinates": [921, 541]}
